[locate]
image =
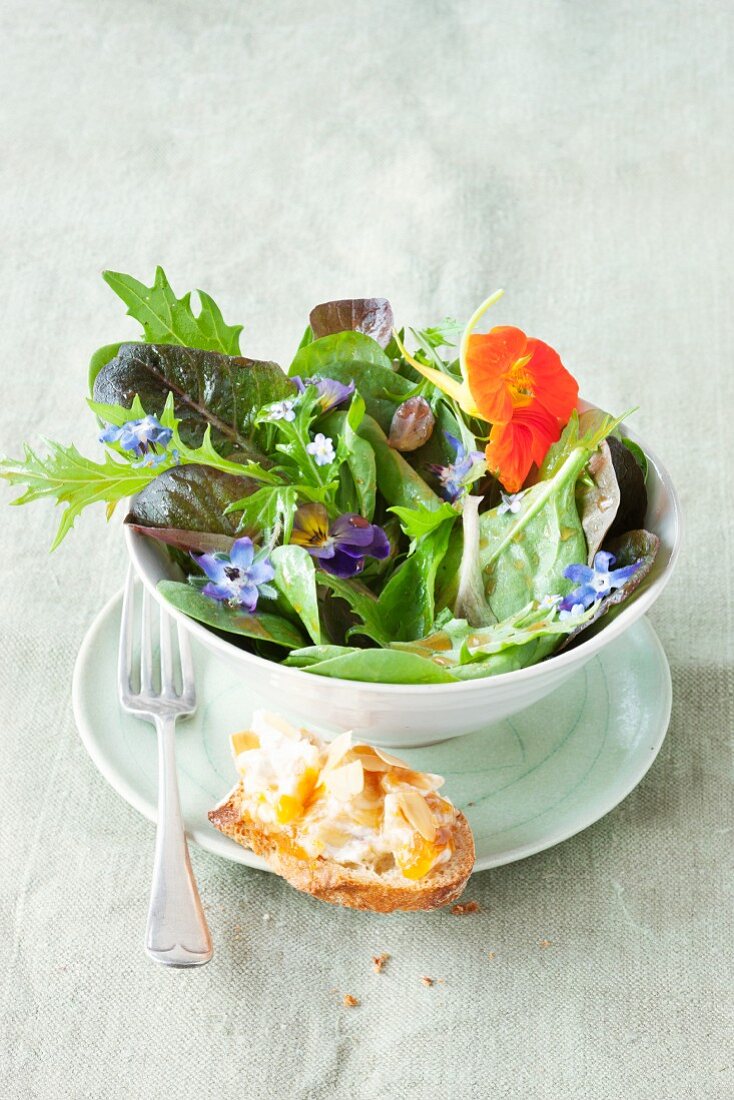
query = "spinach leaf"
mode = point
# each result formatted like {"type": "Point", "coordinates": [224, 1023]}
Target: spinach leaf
{"type": "Point", "coordinates": [360, 456]}
{"type": "Point", "coordinates": [313, 654]}
{"type": "Point", "coordinates": [167, 319]}
{"type": "Point", "coordinates": [523, 556]}
{"type": "Point", "coordinates": [382, 666]}
{"type": "Point", "coordinates": [371, 316]}
{"type": "Point", "coordinates": [396, 479]}
{"type": "Point", "coordinates": [598, 497]}
{"type": "Point", "coordinates": [209, 390]}
{"type": "Point", "coordinates": [262, 626]}
{"type": "Point", "coordinates": [191, 498]}
{"type": "Point", "coordinates": [406, 605]}
{"type": "Point", "coordinates": [352, 357]}
{"type": "Point", "coordinates": [295, 579]}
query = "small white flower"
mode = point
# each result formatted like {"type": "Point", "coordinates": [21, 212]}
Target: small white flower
{"type": "Point", "coordinates": [549, 603]}
{"type": "Point", "coordinates": [321, 450]}
{"type": "Point", "coordinates": [511, 502]}
{"type": "Point", "coordinates": [283, 410]}
{"type": "Point", "coordinates": [575, 613]}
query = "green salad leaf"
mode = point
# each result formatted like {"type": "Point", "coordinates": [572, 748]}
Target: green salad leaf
{"type": "Point", "coordinates": [381, 666]}
{"type": "Point", "coordinates": [261, 626]}
{"type": "Point", "coordinates": [295, 579]}
{"type": "Point", "coordinates": [167, 319]}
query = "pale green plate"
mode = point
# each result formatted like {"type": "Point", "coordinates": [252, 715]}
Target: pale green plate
{"type": "Point", "coordinates": [524, 784]}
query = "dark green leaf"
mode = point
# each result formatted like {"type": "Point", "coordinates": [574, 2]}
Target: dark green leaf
{"type": "Point", "coordinates": [313, 654]}
{"type": "Point", "coordinates": [208, 389]}
{"type": "Point", "coordinates": [362, 602]}
{"type": "Point", "coordinates": [406, 605]}
{"type": "Point", "coordinates": [638, 453]}
{"type": "Point", "coordinates": [371, 316]}
{"type": "Point", "coordinates": [396, 479]}
{"type": "Point", "coordinates": [191, 498]}
{"type": "Point", "coordinates": [264, 627]}
{"type": "Point", "coordinates": [630, 515]}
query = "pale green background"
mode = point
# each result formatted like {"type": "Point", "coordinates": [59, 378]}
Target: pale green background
{"type": "Point", "coordinates": [277, 154]}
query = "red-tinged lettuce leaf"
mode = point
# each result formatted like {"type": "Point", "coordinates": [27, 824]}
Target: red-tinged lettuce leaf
{"type": "Point", "coordinates": [598, 502]}
{"type": "Point", "coordinates": [633, 494]}
{"type": "Point", "coordinates": [191, 498]}
{"type": "Point", "coordinates": [199, 542]}
{"type": "Point", "coordinates": [263, 627]}
{"type": "Point", "coordinates": [641, 546]}
{"type": "Point", "coordinates": [222, 391]}
{"type": "Point", "coordinates": [372, 316]}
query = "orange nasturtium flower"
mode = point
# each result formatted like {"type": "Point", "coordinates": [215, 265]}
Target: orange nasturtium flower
{"type": "Point", "coordinates": [518, 385]}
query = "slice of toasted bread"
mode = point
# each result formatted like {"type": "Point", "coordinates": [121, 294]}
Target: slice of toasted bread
{"type": "Point", "coordinates": [354, 887]}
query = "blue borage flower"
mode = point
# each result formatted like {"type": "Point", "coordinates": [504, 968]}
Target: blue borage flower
{"type": "Point", "coordinates": [458, 475]}
{"type": "Point", "coordinates": [237, 578]}
{"type": "Point", "coordinates": [594, 582]}
{"type": "Point", "coordinates": [321, 450]}
{"type": "Point", "coordinates": [140, 436]}
{"type": "Point", "coordinates": [330, 392]}
{"type": "Point", "coordinates": [151, 460]}
{"type": "Point", "coordinates": [341, 547]}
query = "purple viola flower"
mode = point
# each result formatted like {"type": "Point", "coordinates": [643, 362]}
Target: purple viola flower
{"type": "Point", "coordinates": [237, 578]}
{"type": "Point", "coordinates": [331, 393]}
{"type": "Point", "coordinates": [595, 581]}
{"type": "Point", "coordinates": [341, 547]}
{"type": "Point", "coordinates": [458, 475]}
{"type": "Point", "coordinates": [140, 436]}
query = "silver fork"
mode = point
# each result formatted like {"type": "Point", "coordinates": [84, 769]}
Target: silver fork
{"type": "Point", "coordinates": [177, 932]}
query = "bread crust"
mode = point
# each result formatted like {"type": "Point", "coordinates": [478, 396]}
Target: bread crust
{"type": "Point", "coordinates": [352, 887]}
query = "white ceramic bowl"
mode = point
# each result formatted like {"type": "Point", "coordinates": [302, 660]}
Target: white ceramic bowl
{"type": "Point", "coordinates": [405, 716]}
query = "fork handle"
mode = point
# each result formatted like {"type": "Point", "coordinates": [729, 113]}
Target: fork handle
{"type": "Point", "coordinates": [177, 932]}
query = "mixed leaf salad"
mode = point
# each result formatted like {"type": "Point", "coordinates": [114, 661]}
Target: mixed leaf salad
{"type": "Point", "coordinates": [377, 514]}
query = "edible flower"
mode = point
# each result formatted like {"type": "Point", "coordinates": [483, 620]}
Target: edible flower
{"type": "Point", "coordinates": [237, 578]}
{"type": "Point", "coordinates": [321, 449]}
{"type": "Point", "coordinates": [511, 502]}
{"type": "Point", "coordinates": [140, 436]}
{"type": "Point", "coordinates": [331, 393]}
{"type": "Point", "coordinates": [342, 546]}
{"type": "Point", "coordinates": [282, 410]}
{"type": "Point", "coordinates": [151, 459]}
{"type": "Point", "coordinates": [458, 475]}
{"type": "Point", "coordinates": [594, 582]}
{"type": "Point", "coordinates": [515, 383]}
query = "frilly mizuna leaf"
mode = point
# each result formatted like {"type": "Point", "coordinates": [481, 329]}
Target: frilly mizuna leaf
{"type": "Point", "coordinates": [372, 316]}
{"type": "Point", "coordinates": [223, 392]}
{"type": "Point", "coordinates": [167, 319]}
{"type": "Point", "coordinates": [263, 627]}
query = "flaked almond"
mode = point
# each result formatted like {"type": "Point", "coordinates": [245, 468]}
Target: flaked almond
{"type": "Point", "coordinates": [345, 782]}
{"type": "Point", "coordinates": [243, 742]}
{"type": "Point", "coordinates": [338, 749]}
{"type": "Point", "coordinates": [282, 725]}
{"type": "Point", "coordinates": [417, 813]}
{"type": "Point", "coordinates": [424, 781]}
{"type": "Point", "coordinates": [393, 761]}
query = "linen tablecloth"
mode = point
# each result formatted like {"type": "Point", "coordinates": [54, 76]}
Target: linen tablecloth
{"type": "Point", "coordinates": [279, 155]}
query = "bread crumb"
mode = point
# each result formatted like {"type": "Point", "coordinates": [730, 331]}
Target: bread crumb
{"type": "Point", "coordinates": [546, 943]}
{"type": "Point", "coordinates": [459, 910]}
{"type": "Point", "coordinates": [427, 981]}
{"type": "Point", "coordinates": [266, 916]}
{"type": "Point", "coordinates": [491, 954]}
{"type": "Point", "coordinates": [349, 1001]}
{"type": "Point", "coordinates": [378, 962]}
